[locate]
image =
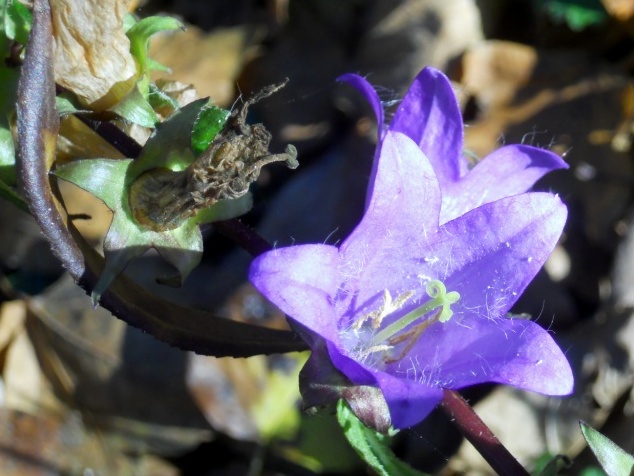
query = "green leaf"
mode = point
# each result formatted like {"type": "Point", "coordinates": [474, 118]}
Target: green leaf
{"type": "Point", "coordinates": [592, 471]}
{"type": "Point", "coordinates": [140, 33]}
{"type": "Point", "coordinates": [209, 122]}
{"type": "Point", "coordinates": [17, 22]}
{"type": "Point", "coordinates": [614, 460]}
{"type": "Point", "coordinates": [135, 108]}
{"type": "Point", "coordinates": [372, 446]}
{"type": "Point", "coordinates": [9, 80]}
{"type": "Point", "coordinates": [4, 44]}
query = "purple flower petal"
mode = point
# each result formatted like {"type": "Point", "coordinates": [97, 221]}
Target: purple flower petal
{"type": "Point", "coordinates": [509, 351]}
{"type": "Point", "coordinates": [404, 205]}
{"type": "Point", "coordinates": [464, 352]}
{"type": "Point", "coordinates": [490, 254]}
{"type": "Point", "coordinates": [508, 171]}
{"type": "Point", "coordinates": [429, 114]}
{"type": "Point", "coordinates": [366, 89]}
{"type": "Point", "coordinates": [301, 281]}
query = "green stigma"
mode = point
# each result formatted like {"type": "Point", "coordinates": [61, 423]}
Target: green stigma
{"type": "Point", "coordinates": [440, 299]}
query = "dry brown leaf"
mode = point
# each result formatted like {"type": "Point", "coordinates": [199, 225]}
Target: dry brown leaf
{"type": "Point", "coordinates": [562, 100]}
{"type": "Point", "coordinates": [12, 315]}
{"type": "Point", "coordinates": [622, 10]}
{"type": "Point", "coordinates": [495, 70]}
{"type": "Point", "coordinates": [211, 62]}
{"type": "Point", "coordinates": [26, 387]}
{"type": "Point", "coordinates": [48, 444]}
{"type": "Point", "coordinates": [91, 53]}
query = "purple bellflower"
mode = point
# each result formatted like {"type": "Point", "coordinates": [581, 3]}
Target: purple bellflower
{"type": "Point", "coordinates": [416, 298]}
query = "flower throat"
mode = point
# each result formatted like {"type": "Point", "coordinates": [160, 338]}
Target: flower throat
{"type": "Point", "coordinates": [393, 334]}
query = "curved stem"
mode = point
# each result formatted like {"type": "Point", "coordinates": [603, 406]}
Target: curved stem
{"type": "Point", "coordinates": [180, 326]}
{"type": "Point", "coordinates": [479, 435]}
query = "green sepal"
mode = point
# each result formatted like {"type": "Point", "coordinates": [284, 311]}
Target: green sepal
{"type": "Point", "coordinates": [125, 240]}
{"type": "Point", "coordinates": [208, 123]}
{"type": "Point", "coordinates": [613, 459]}
{"type": "Point", "coordinates": [17, 22]}
{"type": "Point", "coordinates": [134, 107]}
{"type": "Point", "coordinates": [373, 447]}
{"type": "Point", "coordinates": [109, 180]}
{"type": "Point", "coordinates": [170, 147]}
{"type": "Point", "coordinates": [225, 209]}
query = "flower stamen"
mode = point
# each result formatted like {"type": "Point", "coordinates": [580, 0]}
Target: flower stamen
{"type": "Point", "coordinates": [440, 299]}
{"type": "Point", "coordinates": [411, 336]}
{"type": "Point", "coordinates": [387, 307]}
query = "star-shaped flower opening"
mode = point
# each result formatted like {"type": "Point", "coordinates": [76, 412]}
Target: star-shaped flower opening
{"type": "Point", "coordinates": [412, 303]}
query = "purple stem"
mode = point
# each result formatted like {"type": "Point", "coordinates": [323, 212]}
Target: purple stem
{"type": "Point", "coordinates": [479, 435]}
{"type": "Point", "coordinates": [243, 236]}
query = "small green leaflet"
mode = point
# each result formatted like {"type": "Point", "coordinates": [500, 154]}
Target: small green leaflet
{"type": "Point", "coordinates": [135, 108]}
{"type": "Point", "coordinates": [139, 35]}
{"type": "Point", "coordinates": [208, 123]}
